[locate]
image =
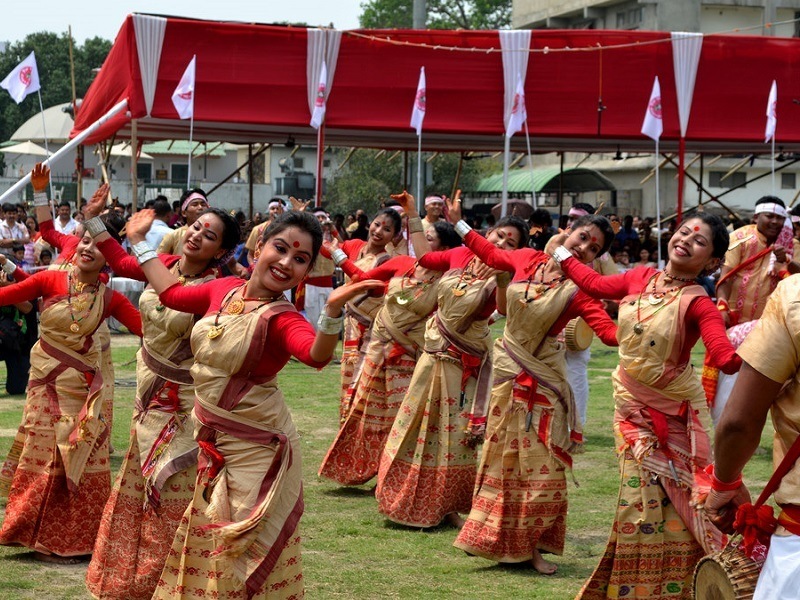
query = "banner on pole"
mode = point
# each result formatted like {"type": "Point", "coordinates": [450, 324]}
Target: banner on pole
{"type": "Point", "coordinates": [183, 96]}
{"type": "Point", "coordinates": [23, 80]}
{"type": "Point", "coordinates": [653, 125]}
{"type": "Point", "coordinates": [319, 103]}
{"type": "Point", "coordinates": [772, 112]}
{"type": "Point", "coordinates": [418, 112]}
{"type": "Point", "coordinates": [518, 114]}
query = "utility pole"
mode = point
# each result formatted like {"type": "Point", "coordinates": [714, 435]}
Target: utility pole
{"type": "Point", "coordinates": [420, 14]}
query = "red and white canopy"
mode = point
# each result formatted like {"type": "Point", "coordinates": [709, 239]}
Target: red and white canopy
{"type": "Point", "coordinates": [256, 83]}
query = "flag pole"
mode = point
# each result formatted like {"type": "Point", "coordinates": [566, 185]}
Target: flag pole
{"type": "Point", "coordinates": [76, 141]}
{"type": "Point", "coordinates": [191, 132]}
{"type": "Point", "coordinates": [504, 198]}
{"type": "Point", "coordinates": [420, 199]}
{"type": "Point", "coordinates": [530, 164]}
{"type": "Point", "coordinates": [772, 163]}
{"type": "Point", "coordinates": [320, 164]}
{"type": "Point", "coordinates": [658, 208]}
{"type": "Point", "coordinates": [47, 150]}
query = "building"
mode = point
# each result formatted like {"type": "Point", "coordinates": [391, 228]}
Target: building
{"type": "Point", "coordinates": [704, 16]}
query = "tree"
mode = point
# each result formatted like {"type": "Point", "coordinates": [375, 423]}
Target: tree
{"type": "Point", "coordinates": [442, 14]}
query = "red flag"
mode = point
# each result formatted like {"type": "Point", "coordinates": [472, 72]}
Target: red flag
{"type": "Point", "coordinates": [418, 113]}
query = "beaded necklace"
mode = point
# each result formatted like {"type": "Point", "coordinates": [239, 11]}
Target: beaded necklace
{"type": "Point", "coordinates": [79, 304]}
{"type": "Point", "coordinates": [182, 279]}
{"type": "Point", "coordinates": [406, 296]}
{"type": "Point", "coordinates": [235, 307]}
{"type": "Point", "coordinates": [466, 277]}
{"type": "Point", "coordinates": [540, 286]}
{"type": "Point", "coordinates": [655, 299]}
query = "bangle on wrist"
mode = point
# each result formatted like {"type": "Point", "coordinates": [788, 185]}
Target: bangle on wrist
{"type": "Point", "coordinates": [462, 228]}
{"type": "Point", "coordinates": [338, 256]}
{"type": "Point", "coordinates": [40, 199]}
{"type": "Point", "coordinates": [94, 226]}
{"type": "Point", "coordinates": [329, 325]}
{"type": "Point", "coordinates": [722, 306]}
{"type": "Point", "coordinates": [146, 256]}
{"type": "Point", "coordinates": [723, 486]}
{"type": "Point", "coordinates": [140, 248]}
{"type": "Point", "coordinates": [561, 254]}
{"type": "Point", "coordinates": [9, 267]}
{"type": "Point", "coordinates": [415, 225]}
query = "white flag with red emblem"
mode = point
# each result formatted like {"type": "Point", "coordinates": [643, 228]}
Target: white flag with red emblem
{"type": "Point", "coordinates": [183, 96]}
{"type": "Point", "coordinates": [772, 112]}
{"type": "Point", "coordinates": [653, 125]}
{"type": "Point", "coordinates": [23, 80]}
{"type": "Point", "coordinates": [418, 113]}
{"type": "Point", "coordinates": [518, 114]}
{"type": "Point", "coordinates": [319, 102]}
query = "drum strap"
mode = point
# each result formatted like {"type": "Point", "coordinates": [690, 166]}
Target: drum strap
{"type": "Point", "coordinates": [756, 522]}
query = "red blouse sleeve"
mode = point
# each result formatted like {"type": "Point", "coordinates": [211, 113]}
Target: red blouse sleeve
{"type": "Point", "coordinates": [490, 254]}
{"type": "Point", "coordinates": [352, 247]}
{"type": "Point", "coordinates": [447, 259]}
{"type": "Point", "coordinates": [296, 335]}
{"type": "Point", "coordinates": [125, 265]}
{"type": "Point", "coordinates": [197, 299]}
{"type": "Point", "coordinates": [124, 312]}
{"type": "Point", "coordinates": [397, 265]}
{"type": "Point", "coordinates": [58, 240]}
{"type": "Point", "coordinates": [38, 284]}
{"type": "Point", "coordinates": [605, 286]}
{"type": "Point", "coordinates": [597, 318]}
{"type": "Point", "coordinates": [20, 275]}
{"type": "Point", "coordinates": [704, 315]}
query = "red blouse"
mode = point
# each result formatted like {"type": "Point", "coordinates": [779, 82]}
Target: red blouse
{"type": "Point", "coordinates": [522, 262]}
{"type": "Point", "coordinates": [125, 265]}
{"type": "Point", "coordinates": [289, 333]}
{"type": "Point", "coordinates": [48, 284]}
{"type": "Point", "coordinates": [702, 317]}
{"type": "Point", "coordinates": [65, 243]}
{"type": "Point", "coordinates": [394, 267]}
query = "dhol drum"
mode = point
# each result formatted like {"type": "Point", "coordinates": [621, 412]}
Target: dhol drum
{"type": "Point", "coordinates": [729, 574]}
{"type": "Point", "coordinates": [578, 335]}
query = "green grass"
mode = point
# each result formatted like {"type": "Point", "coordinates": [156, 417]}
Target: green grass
{"type": "Point", "coordinates": [349, 550]}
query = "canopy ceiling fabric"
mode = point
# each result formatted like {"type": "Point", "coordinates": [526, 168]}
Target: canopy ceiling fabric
{"type": "Point", "coordinates": [251, 87]}
{"type": "Point", "coordinates": [546, 180]}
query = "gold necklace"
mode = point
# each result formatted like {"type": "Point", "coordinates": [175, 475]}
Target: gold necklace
{"type": "Point", "coordinates": [235, 307]}
{"type": "Point", "coordinates": [79, 304]}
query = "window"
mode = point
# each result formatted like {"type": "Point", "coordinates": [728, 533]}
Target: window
{"type": "Point", "coordinates": [178, 173]}
{"type": "Point", "coordinates": [635, 17]}
{"type": "Point", "coordinates": [715, 179]}
{"type": "Point", "coordinates": [326, 163]}
{"type": "Point", "coordinates": [298, 162]}
{"type": "Point", "coordinates": [788, 181]}
{"type": "Point", "coordinates": [620, 20]}
{"type": "Point", "coordinates": [144, 172]}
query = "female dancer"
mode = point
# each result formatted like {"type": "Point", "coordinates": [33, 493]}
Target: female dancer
{"type": "Point", "coordinates": [239, 536]}
{"type": "Point", "coordinates": [427, 470]}
{"type": "Point", "coordinates": [395, 344]}
{"type": "Point", "coordinates": [360, 311]}
{"type": "Point", "coordinates": [62, 481]}
{"type": "Point", "coordinates": [519, 506]}
{"type": "Point", "coordinates": [659, 532]}
{"type": "Point", "coordinates": [156, 481]}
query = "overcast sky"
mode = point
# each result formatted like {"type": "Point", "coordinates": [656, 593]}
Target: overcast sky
{"type": "Point", "coordinates": [90, 18]}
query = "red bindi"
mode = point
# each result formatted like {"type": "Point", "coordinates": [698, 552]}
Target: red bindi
{"type": "Point", "coordinates": [296, 244]}
{"type": "Point", "coordinates": [697, 228]}
{"type": "Point", "coordinates": [594, 239]}
{"type": "Point", "coordinates": [206, 225]}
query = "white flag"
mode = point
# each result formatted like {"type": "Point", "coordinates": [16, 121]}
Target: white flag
{"type": "Point", "coordinates": [319, 102]}
{"type": "Point", "coordinates": [653, 125]}
{"type": "Point", "coordinates": [418, 113]}
{"type": "Point", "coordinates": [23, 80]}
{"type": "Point", "coordinates": [772, 112]}
{"type": "Point", "coordinates": [183, 96]}
{"type": "Point", "coordinates": [518, 114]}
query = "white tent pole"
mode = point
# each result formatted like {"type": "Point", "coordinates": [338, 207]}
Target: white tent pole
{"type": "Point", "coordinates": [658, 209]}
{"type": "Point", "coordinates": [420, 199]}
{"type": "Point", "coordinates": [191, 132]}
{"type": "Point", "coordinates": [530, 164]}
{"type": "Point", "coordinates": [77, 140]}
{"type": "Point", "coordinates": [504, 200]}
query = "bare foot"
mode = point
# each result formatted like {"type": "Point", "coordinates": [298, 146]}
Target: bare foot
{"type": "Point", "coordinates": [455, 520]}
{"type": "Point", "coordinates": [543, 566]}
{"type": "Point", "coordinates": [59, 560]}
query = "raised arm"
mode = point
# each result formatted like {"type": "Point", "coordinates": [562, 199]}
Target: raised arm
{"type": "Point", "coordinates": [415, 229]}
{"type": "Point", "coordinates": [597, 318]}
{"type": "Point", "coordinates": [591, 282]}
{"type": "Point", "coordinates": [488, 253]}
{"type": "Point", "coordinates": [712, 329]}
